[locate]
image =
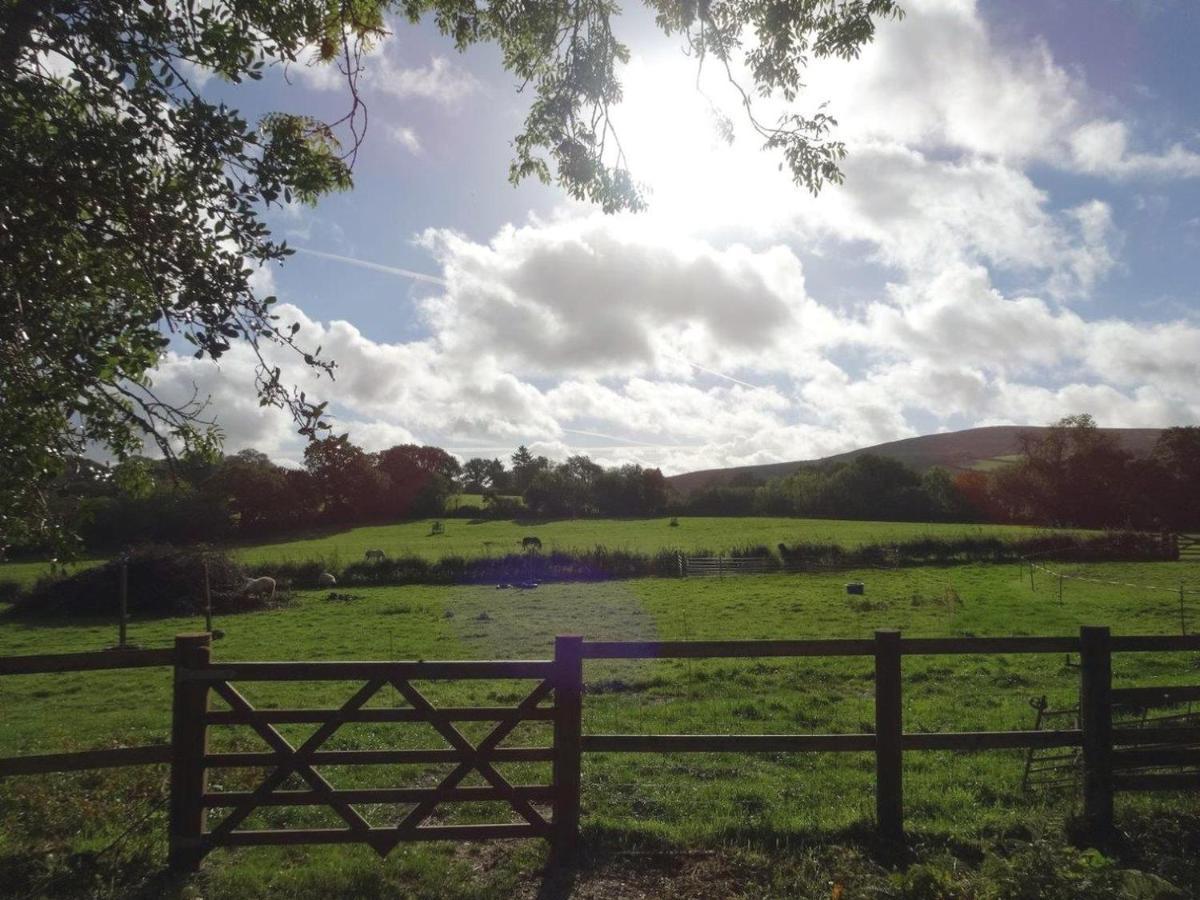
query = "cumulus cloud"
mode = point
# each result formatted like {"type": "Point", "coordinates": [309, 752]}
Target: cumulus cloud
{"type": "Point", "coordinates": [951, 347]}
{"type": "Point", "coordinates": [1101, 147]}
{"type": "Point", "coordinates": [601, 296]}
{"type": "Point", "coordinates": [938, 80]}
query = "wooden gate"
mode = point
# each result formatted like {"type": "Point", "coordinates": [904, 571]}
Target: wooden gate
{"type": "Point", "coordinates": [197, 681]}
{"type": "Point", "coordinates": [1189, 547]}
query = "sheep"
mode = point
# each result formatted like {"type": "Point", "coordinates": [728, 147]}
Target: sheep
{"type": "Point", "coordinates": [374, 556]}
{"type": "Point", "coordinates": [264, 584]}
{"type": "Point", "coordinates": [326, 580]}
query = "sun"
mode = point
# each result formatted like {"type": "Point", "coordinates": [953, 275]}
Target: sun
{"type": "Point", "coordinates": [686, 140]}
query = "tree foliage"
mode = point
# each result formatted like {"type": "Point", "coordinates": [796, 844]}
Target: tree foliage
{"type": "Point", "coordinates": [131, 207]}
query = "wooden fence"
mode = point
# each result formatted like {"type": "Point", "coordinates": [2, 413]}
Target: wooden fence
{"type": "Point", "coordinates": [721, 566]}
{"type": "Point", "coordinates": [1113, 758]}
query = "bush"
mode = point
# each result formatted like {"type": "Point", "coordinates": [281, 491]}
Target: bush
{"type": "Point", "coordinates": [10, 591]}
{"type": "Point", "coordinates": [162, 580]}
{"type": "Point", "coordinates": [1111, 547]}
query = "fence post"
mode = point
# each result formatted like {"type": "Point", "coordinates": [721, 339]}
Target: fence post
{"type": "Point", "coordinates": [1095, 713]}
{"type": "Point", "coordinates": [889, 725]}
{"type": "Point", "coordinates": [568, 741]}
{"type": "Point", "coordinates": [207, 599]}
{"type": "Point", "coordinates": [189, 741]}
{"type": "Point", "coordinates": [123, 604]}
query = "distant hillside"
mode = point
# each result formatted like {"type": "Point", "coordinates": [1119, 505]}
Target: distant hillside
{"type": "Point", "coordinates": [973, 448]}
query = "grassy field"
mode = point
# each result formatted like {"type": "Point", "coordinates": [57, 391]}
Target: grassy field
{"type": "Point", "coordinates": [469, 539]}
{"type": "Point", "coordinates": [773, 824]}
{"type": "Point", "coordinates": [495, 538]}
{"type": "Point", "coordinates": [457, 501]}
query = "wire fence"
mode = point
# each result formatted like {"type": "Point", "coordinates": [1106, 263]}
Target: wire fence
{"type": "Point", "coordinates": [1061, 577]}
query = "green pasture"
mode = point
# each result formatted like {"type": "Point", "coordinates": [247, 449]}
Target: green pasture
{"type": "Point", "coordinates": [470, 538]}
{"type": "Point", "coordinates": [458, 501]}
{"type": "Point", "coordinates": [995, 463]}
{"type": "Point", "coordinates": [475, 538]}
{"type": "Point", "coordinates": [768, 805]}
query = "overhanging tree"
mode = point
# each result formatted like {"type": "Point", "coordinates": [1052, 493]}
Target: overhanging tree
{"type": "Point", "coordinates": [131, 206]}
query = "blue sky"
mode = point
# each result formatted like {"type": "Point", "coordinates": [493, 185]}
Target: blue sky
{"type": "Point", "coordinates": [1016, 240]}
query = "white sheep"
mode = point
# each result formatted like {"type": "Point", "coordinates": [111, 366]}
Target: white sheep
{"type": "Point", "coordinates": [326, 579]}
{"type": "Point", "coordinates": [264, 584]}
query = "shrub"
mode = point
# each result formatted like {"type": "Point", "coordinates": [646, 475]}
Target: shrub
{"type": "Point", "coordinates": [10, 591]}
{"type": "Point", "coordinates": [162, 580]}
{"type": "Point", "coordinates": [1111, 547]}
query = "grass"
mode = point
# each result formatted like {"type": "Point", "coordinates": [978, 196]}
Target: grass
{"type": "Point", "coordinates": [457, 501]}
{"type": "Point", "coordinates": [765, 820]}
{"type": "Point", "coordinates": [472, 539]}
{"type": "Point", "coordinates": [996, 462]}
{"type": "Point", "coordinates": [495, 538]}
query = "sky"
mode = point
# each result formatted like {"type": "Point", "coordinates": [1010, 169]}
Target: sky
{"type": "Point", "coordinates": [1016, 240]}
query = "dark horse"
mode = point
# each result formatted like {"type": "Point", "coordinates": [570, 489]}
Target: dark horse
{"type": "Point", "coordinates": [531, 543]}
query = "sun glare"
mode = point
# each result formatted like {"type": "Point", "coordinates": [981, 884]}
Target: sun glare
{"type": "Point", "coordinates": [698, 174]}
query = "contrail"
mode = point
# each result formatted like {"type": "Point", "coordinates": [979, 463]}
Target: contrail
{"type": "Point", "coordinates": [377, 267]}
{"type": "Point", "coordinates": [755, 387]}
{"type": "Point", "coordinates": [624, 440]}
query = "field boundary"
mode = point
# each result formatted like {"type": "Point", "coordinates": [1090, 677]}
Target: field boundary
{"type": "Point", "coordinates": [1113, 759]}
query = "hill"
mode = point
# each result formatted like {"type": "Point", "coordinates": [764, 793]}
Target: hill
{"type": "Point", "coordinates": [972, 448]}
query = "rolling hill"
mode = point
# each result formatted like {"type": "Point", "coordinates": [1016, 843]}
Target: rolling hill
{"type": "Point", "coordinates": [972, 448]}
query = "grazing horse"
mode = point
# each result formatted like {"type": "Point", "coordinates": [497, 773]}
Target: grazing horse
{"type": "Point", "coordinates": [256, 587]}
{"type": "Point", "coordinates": [531, 543]}
{"type": "Point", "coordinates": [374, 556]}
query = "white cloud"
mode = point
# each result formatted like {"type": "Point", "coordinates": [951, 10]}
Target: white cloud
{"type": "Point", "coordinates": [607, 297]}
{"type": "Point", "coordinates": [938, 80]}
{"type": "Point", "coordinates": [950, 347]}
{"type": "Point", "coordinates": [405, 137]}
{"type": "Point", "coordinates": [382, 71]}
{"type": "Point", "coordinates": [440, 80]}
{"type": "Point", "coordinates": [1100, 147]}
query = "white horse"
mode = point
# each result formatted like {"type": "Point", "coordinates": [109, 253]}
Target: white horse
{"type": "Point", "coordinates": [256, 587]}
{"type": "Point", "coordinates": [375, 556]}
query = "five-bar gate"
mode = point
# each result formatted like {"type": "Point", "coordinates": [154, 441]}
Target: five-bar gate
{"type": "Point", "coordinates": [198, 681]}
{"type": "Point", "coordinates": [1113, 758]}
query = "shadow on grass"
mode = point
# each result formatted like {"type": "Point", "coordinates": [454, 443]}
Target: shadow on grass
{"type": "Point", "coordinates": [747, 858]}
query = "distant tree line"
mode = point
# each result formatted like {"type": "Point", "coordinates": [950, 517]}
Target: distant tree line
{"type": "Point", "coordinates": [211, 497]}
{"type": "Point", "coordinates": [866, 487]}
{"type": "Point", "coordinates": [1073, 474]}
{"type": "Point", "coordinates": [1077, 475]}
{"type": "Point", "coordinates": [575, 487]}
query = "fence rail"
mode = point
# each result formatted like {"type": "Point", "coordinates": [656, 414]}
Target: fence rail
{"type": "Point", "coordinates": [83, 760]}
{"type": "Point", "coordinates": [1114, 758]}
{"type": "Point", "coordinates": [86, 662]}
{"type": "Point", "coordinates": [720, 566]}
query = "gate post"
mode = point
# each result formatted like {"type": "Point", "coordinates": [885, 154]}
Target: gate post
{"type": "Point", "coordinates": [568, 741]}
{"type": "Point", "coordinates": [189, 742]}
{"type": "Point", "coordinates": [1095, 714]}
{"type": "Point", "coordinates": [889, 726]}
